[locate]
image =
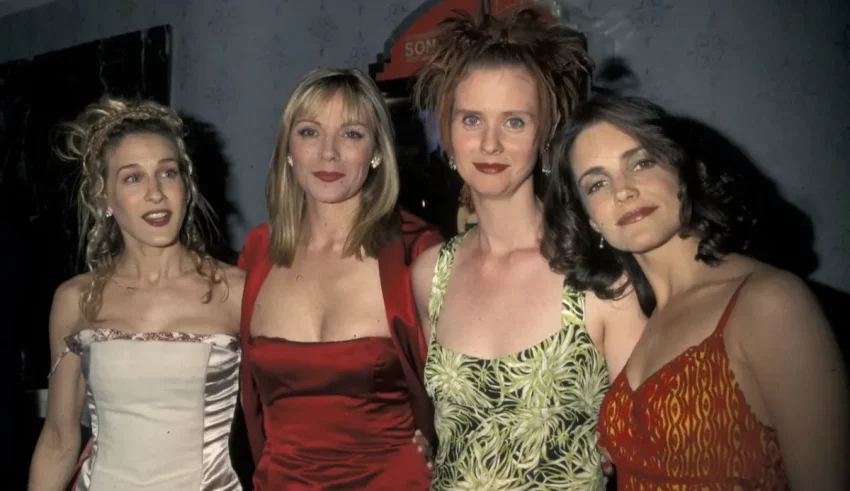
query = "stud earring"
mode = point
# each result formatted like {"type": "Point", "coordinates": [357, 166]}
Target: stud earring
{"type": "Point", "coordinates": [289, 161]}
{"type": "Point", "coordinates": [376, 161]}
{"type": "Point", "coordinates": [547, 169]}
{"type": "Point", "coordinates": [108, 213]}
{"type": "Point", "coordinates": [452, 164]}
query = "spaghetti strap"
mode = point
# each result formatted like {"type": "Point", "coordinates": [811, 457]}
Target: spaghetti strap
{"type": "Point", "coordinates": [56, 363]}
{"type": "Point", "coordinates": [730, 306]}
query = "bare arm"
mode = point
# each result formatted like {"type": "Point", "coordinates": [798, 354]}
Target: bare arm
{"type": "Point", "coordinates": [615, 326]}
{"type": "Point", "coordinates": [58, 444]}
{"type": "Point", "coordinates": [422, 275]}
{"type": "Point", "coordinates": [235, 289]}
{"type": "Point", "coordinates": [788, 346]}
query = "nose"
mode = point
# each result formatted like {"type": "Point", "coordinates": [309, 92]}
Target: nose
{"type": "Point", "coordinates": [625, 190]}
{"type": "Point", "coordinates": [329, 148]}
{"type": "Point", "coordinates": [154, 192]}
{"type": "Point", "coordinates": [491, 142]}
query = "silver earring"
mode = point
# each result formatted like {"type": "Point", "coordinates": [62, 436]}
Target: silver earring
{"type": "Point", "coordinates": [376, 161]}
{"type": "Point", "coordinates": [289, 161]}
{"type": "Point", "coordinates": [452, 164]}
{"type": "Point", "coordinates": [601, 242]}
{"type": "Point", "coordinates": [547, 169]}
{"type": "Point", "coordinates": [108, 213]}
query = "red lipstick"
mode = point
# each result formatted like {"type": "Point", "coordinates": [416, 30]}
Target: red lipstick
{"type": "Point", "coordinates": [486, 168]}
{"type": "Point", "coordinates": [636, 215]}
{"type": "Point", "coordinates": [328, 176]}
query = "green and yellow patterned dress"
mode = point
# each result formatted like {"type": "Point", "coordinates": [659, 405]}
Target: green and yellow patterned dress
{"type": "Point", "coordinates": [522, 421]}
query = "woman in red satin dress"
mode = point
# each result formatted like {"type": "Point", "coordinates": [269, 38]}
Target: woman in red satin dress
{"type": "Point", "coordinates": [333, 353]}
{"type": "Point", "coordinates": [736, 382]}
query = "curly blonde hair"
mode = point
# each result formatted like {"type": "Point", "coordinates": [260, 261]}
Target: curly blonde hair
{"type": "Point", "coordinates": [554, 54]}
{"type": "Point", "coordinates": [86, 140]}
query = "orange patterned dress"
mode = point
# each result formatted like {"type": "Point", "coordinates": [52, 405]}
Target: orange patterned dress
{"type": "Point", "coordinates": [688, 427]}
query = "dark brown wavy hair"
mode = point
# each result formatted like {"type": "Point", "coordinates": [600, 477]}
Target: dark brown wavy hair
{"type": "Point", "coordinates": [716, 205]}
{"type": "Point", "coordinates": [554, 54]}
{"type": "Point", "coordinates": [86, 141]}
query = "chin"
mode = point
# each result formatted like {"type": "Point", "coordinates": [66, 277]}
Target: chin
{"type": "Point", "coordinates": [644, 243]}
{"type": "Point", "coordinates": [163, 241]}
{"type": "Point", "coordinates": [329, 197]}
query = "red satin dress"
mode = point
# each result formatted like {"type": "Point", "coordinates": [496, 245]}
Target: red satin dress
{"type": "Point", "coordinates": [688, 427]}
{"type": "Point", "coordinates": [336, 415]}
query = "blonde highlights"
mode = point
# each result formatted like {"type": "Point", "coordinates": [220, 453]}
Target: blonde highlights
{"type": "Point", "coordinates": [375, 225]}
{"type": "Point", "coordinates": [87, 141]}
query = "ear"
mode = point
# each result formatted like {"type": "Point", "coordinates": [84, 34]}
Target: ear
{"type": "Point", "coordinates": [594, 226]}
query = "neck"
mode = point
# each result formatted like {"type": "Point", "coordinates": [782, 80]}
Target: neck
{"type": "Point", "coordinates": [152, 265]}
{"type": "Point", "coordinates": [673, 268]}
{"type": "Point", "coordinates": [508, 223]}
{"type": "Point", "coordinates": [328, 225]}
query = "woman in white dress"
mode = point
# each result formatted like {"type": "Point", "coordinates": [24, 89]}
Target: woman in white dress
{"type": "Point", "coordinates": [147, 339]}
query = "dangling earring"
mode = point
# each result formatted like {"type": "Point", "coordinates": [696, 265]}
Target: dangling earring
{"type": "Point", "coordinates": [108, 213]}
{"type": "Point", "coordinates": [289, 161]}
{"type": "Point", "coordinates": [601, 242]}
{"type": "Point", "coordinates": [546, 168]}
{"type": "Point", "coordinates": [452, 164]}
{"type": "Point", "coordinates": [376, 161]}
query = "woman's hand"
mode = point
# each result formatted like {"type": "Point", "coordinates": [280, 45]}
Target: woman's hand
{"type": "Point", "coordinates": [424, 448]}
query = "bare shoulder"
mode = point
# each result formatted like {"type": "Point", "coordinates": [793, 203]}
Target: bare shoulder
{"type": "Point", "coordinates": [772, 298]}
{"type": "Point", "coordinates": [615, 325]}
{"type": "Point", "coordinates": [235, 277]}
{"type": "Point", "coordinates": [424, 264]}
{"type": "Point", "coordinates": [65, 313]}
{"type": "Point", "coordinates": [608, 309]}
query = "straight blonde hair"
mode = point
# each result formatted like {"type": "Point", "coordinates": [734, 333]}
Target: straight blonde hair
{"type": "Point", "coordinates": [377, 220]}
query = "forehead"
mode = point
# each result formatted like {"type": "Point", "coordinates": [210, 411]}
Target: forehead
{"type": "Point", "coordinates": [497, 88]}
{"type": "Point", "coordinates": [341, 105]}
{"type": "Point", "coordinates": [141, 148]}
{"type": "Point", "coordinates": [599, 144]}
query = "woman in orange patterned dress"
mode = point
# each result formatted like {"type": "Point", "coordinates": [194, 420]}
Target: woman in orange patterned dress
{"type": "Point", "coordinates": [736, 382]}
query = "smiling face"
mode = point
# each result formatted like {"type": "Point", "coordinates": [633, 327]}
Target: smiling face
{"type": "Point", "coordinates": [332, 147]}
{"type": "Point", "coordinates": [494, 124]}
{"type": "Point", "coordinates": [144, 189]}
{"type": "Point", "coordinates": [631, 198]}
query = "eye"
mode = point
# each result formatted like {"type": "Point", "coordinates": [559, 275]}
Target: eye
{"type": "Point", "coordinates": [515, 123]}
{"type": "Point", "coordinates": [131, 178]}
{"type": "Point", "coordinates": [307, 132]}
{"type": "Point", "coordinates": [171, 173]}
{"type": "Point", "coordinates": [594, 186]}
{"type": "Point", "coordinates": [354, 134]}
{"type": "Point", "coordinates": [470, 120]}
{"type": "Point", "coordinates": [643, 164]}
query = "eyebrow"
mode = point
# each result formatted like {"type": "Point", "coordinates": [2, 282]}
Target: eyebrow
{"type": "Point", "coordinates": [311, 121]}
{"type": "Point", "coordinates": [503, 113]}
{"type": "Point", "coordinates": [135, 164]}
{"type": "Point", "coordinates": [599, 170]}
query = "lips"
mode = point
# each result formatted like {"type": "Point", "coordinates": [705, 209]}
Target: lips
{"type": "Point", "coordinates": [157, 218]}
{"type": "Point", "coordinates": [636, 215]}
{"type": "Point", "coordinates": [487, 168]}
{"type": "Point", "coordinates": [328, 176]}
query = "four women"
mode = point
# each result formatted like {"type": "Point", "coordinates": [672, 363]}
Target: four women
{"type": "Point", "coordinates": [524, 320]}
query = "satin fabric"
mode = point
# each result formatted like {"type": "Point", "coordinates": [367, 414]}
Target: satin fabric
{"type": "Point", "coordinates": [161, 408]}
{"type": "Point", "coordinates": [337, 416]}
{"type": "Point", "coordinates": [406, 335]}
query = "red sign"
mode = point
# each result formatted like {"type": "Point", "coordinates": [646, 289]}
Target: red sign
{"type": "Point", "coordinates": [416, 43]}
